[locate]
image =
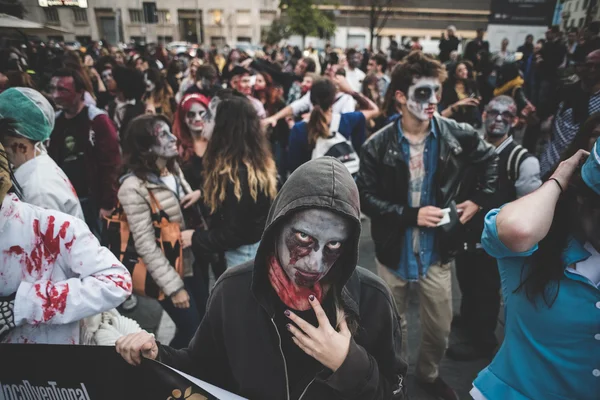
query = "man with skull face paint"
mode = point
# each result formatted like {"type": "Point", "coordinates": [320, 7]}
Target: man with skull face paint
{"type": "Point", "coordinates": [477, 272]}
{"type": "Point", "coordinates": [409, 171]}
{"type": "Point", "coordinates": [299, 305]}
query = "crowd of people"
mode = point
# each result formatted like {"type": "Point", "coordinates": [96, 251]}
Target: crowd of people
{"type": "Point", "coordinates": [147, 173]}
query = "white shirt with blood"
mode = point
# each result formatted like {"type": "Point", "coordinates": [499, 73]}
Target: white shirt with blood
{"type": "Point", "coordinates": [45, 185]}
{"type": "Point", "coordinates": [59, 272]}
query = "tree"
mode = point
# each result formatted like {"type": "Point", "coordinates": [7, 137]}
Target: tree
{"type": "Point", "coordinates": [379, 12]}
{"type": "Point", "coordinates": [12, 7]}
{"type": "Point", "coordinates": [278, 31]}
{"type": "Point", "coordinates": [305, 19]}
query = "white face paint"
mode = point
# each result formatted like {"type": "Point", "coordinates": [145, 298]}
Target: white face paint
{"type": "Point", "coordinates": [422, 98]}
{"type": "Point", "coordinates": [194, 118]}
{"type": "Point", "coordinates": [150, 86]}
{"type": "Point", "coordinates": [166, 142]}
{"type": "Point", "coordinates": [209, 118]}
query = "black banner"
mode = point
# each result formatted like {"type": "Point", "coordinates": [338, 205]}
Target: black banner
{"type": "Point", "coordinates": [52, 372]}
{"type": "Point", "coordinates": [522, 12]}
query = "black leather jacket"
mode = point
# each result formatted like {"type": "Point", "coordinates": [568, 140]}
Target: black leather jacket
{"type": "Point", "coordinates": [384, 177]}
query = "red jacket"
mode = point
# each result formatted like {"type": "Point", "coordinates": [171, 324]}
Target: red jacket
{"type": "Point", "coordinates": [87, 149]}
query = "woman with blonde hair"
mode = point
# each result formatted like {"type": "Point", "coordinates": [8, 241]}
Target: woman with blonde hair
{"type": "Point", "coordinates": [159, 97]}
{"type": "Point", "coordinates": [240, 181]}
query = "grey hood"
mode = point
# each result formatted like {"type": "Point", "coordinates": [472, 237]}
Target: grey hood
{"type": "Point", "coordinates": [321, 183]}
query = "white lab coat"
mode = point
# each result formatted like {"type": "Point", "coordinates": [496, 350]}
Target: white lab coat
{"type": "Point", "coordinates": [45, 185]}
{"type": "Point", "coordinates": [58, 270]}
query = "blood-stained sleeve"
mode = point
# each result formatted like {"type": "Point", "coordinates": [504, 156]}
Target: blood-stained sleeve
{"type": "Point", "coordinates": [96, 281]}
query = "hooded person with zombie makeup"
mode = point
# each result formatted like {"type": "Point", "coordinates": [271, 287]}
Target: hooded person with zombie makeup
{"type": "Point", "coordinates": [53, 272]}
{"type": "Point", "coordinates": [315, 326]}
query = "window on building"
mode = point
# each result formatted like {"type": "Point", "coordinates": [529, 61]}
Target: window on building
{"type": "Point", "coordinates": [267, 17]}
{"type": "Point", "coordinates": [165, 39]}
{"type": "Point", "coordinates": [581, 22]}
{"type": "Point", "coordinates": [138, 39]}
{"type": "Point", "coordinates": [245, 39]}
{"type": "Point", "coordinates": [216, 17]}
{"type": "Point", "coordinates": [585, 4]}
{"type": "Point", "coordinates": [136, 16]}
{"type": "Point", "coordinates": [572, 24]}
{"type": "Point", "coordinates": [52, 15]}
{"type": "Point", "coordinates": [218, 41]}
{"type": "Point", "coordinates": [80, 15]}
{"type": "Point", "coordinates": [576, 6]}
{"type": "Point", "coordinates": [243, 17]}
{"type": "Point", "coordinates": [84, 40]}
{"type": "Point", "coordinates": [164, 17]}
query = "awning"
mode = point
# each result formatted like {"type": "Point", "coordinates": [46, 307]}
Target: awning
{"type": "Point", "coordinates": [10, 22]}
{"type": "Point", "coordinates": [421, 33]}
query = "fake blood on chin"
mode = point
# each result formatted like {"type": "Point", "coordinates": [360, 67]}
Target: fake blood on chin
{"type": "Point", "coordinates": [293, 296]}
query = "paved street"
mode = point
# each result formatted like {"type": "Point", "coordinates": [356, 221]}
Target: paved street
{"type": "Point", "coordinates": [458, 374]}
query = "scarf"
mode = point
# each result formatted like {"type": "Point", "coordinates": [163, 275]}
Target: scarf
{"type": "Point", "coordinates": [515, 83]}
{"type": "Point", "coordinates": [295, 297]}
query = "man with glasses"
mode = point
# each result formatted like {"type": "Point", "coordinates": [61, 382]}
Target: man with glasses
{"type": "Point", "coordinates": [477, 272]}
{"type": "Point", "coordinates": [578, 102]}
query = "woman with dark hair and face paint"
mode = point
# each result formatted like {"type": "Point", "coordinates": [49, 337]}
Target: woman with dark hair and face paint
{"type": "Point", "coordinates": [159, 96]}
{"type": "Point", "coordinates": [54, 273]}
{"type": "Point", "coordinates": [315, 326]}
{"type": "Point", "coordinates": [150, 151]}
{"type": "Point", "coordinates": [548, 250]}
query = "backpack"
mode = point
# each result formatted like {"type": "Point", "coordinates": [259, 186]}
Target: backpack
{"type": "Point", "coordinates": [117, 237]}
{"type": "Point", "coordinates": [515, 159]}
{"type": "Point", "coordinates": [337, 146]}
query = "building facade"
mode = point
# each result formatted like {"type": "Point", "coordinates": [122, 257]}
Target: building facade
{"type": "Point", "coordinates": [196, 21]}
{"type": "Point", "coordinates": [404, 20]}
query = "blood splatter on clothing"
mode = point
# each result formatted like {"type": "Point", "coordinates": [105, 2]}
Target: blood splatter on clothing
{"type": "Point", "coordinates": [54, 299]}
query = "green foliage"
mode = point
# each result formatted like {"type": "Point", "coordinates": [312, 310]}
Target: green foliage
{"type": "Point", "coordinates": [278, 31]}
{"type": "Point", "coordinates": [305, 19]}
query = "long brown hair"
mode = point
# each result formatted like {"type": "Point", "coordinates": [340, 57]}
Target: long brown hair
{"type": "Point", "coordinates": [137, 146]}
{"type": "Point", "coordinates": [237, 139]}
{"type": "Point", "coordinates": [322, 96]}
{"type": "Point", "coordinates": [162, 94]}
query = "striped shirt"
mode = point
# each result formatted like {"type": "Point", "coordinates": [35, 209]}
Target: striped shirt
{"type": "Point", "coordinates": [564, 130]}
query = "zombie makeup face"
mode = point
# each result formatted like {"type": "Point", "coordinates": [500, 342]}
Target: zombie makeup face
{"type": "Point", "coordinates": [499, 117]}
{"type": "Point", "coordinates": [194, 118]}
{"type": "Point", "coordinates": [107, 75]}
{"type": "Point", "coordinates": [423, 98]}
{"type": "Point", "coordinates": [310, 243]}
{"type": "Point", "coordinates": [150, 86]}
{"type": "Point", "coordinates": [209, 118]}
{"type": "Point", "coordinates": [63, 92]}
{"type": "Point", "coordinates": [166, 142]}
{"type": "Point", "coordinates": [5, 183]}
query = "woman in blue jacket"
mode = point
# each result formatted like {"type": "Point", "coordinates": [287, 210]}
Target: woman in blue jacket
{"type": "Point", "coordinates": [547, 245]}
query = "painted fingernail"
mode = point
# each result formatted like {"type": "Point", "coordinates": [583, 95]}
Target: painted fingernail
{"type": "Point", "coordinates": [311, 297]}
{"type": "Point", "coordinates": [288, 326]}
{"type": "Point", "coordinates": [287, 313]}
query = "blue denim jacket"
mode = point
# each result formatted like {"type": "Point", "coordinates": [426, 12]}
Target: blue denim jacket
{"type": "Point", "coordinates": [412, 267]}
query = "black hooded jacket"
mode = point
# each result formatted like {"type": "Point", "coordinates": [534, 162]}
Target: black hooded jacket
{"type": "Point", "coordinates": [238, 345]}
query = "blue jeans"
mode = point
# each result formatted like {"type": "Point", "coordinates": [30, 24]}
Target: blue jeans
{"type": "Point", "coordinates": [187, 320]}
{"type": "Point", "coordinates": [241, 255]}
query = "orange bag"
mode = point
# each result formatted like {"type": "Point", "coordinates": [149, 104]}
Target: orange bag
{"type": "Point", "coordinates": [117, 237]}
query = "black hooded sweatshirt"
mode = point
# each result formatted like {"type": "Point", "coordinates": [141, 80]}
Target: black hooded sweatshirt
{"type": "Point", "coordinates": [238, 345]}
